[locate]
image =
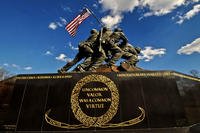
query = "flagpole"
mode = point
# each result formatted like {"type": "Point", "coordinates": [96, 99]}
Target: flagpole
{"type": "Point", "coordinates": [102, 25]}
{"type": "Point", "coordinates": [87, 8]}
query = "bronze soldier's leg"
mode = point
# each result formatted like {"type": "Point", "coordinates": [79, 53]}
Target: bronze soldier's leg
{"type": "Point", "coordinates": [133, 60]}
{"type": "Point", "coordinates": [79, 69]}
{"type": "Point", "coordinates": [117, 54]}
{"type": "Point", "coordinates": [66, 67]}
{"type": "Point", "coordinates": [85, 48]}
{"type": "Point", "coordinates": [86, 63]}
{"type": "Point", "coordinates": [97, 62]}
{"type": "Point", "coordinates": [130, 58]}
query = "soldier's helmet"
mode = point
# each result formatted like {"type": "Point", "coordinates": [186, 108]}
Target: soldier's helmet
{"type": "Point", "coordinates": [93, 31]}
{"type": "Point", "coordinates": [105, 29]}
{"type": "Point", "coordinates": [118, 30]}
{"type": "Point", "coordinates": [138, 49]}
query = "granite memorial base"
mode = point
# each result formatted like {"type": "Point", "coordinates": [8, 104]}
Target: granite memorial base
{"type": "Point", "coordinates": [150, 101]}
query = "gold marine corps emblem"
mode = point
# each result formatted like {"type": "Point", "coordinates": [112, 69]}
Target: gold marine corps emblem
{"type": "Point", "coordinates": [94, 102]}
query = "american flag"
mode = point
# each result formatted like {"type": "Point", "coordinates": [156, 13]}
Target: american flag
{"type": "Point", "coordinates": [73, 25]}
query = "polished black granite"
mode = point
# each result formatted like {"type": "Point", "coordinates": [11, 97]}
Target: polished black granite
{"type": "Point", "coordinates": [138, 101]}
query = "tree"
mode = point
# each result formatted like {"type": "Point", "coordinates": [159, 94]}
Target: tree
{"type": "Point", "coordinates": [195, 73]}
{"type": "Point", "coordinates": [4, 74]}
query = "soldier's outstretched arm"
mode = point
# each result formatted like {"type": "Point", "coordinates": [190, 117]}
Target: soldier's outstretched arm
{"type": "Point", "coordinates": [124, 38]}
{"type": "Point", "coordinates": [132, 50]}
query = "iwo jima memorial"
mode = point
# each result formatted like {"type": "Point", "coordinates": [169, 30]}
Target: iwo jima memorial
{"type": "Point", "coordinates": [101, 97]}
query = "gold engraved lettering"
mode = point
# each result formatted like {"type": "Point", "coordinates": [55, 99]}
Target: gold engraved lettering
{"type": "Point", "coordinates": [94, 89]}
{"type": "Point", "coordinates": [95, 106]}
{"type": "Point", "coordinates": [149, 74]}
{"type": "Point", "coordinates": [95, 100]}
{"type": "Point", "coordinates": [94, 94]}
{"type": "Point", "coordinates": [158, 74]}
{"type": "Point", "coordinates": [44, 77]}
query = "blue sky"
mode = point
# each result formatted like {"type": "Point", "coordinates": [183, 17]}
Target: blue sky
{"type": "Point", "coordinates": [33, 38]}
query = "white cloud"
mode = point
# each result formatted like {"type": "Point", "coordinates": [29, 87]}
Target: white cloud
{"type": "Point", "coordinates": [6, 64]}
{"type": "Point", "coordinates": [160, 7]}
{"type": "Point", "coordinates": [190, 48]}
{"type": "Point", "coordinates": [16, 66]}
{"type": "Point", "coordinates": [119, 6]}
{"type": "Point", "coordinates": [48, 53]}
{"type": "Point", "coordinates": [149, 53]}
{"type": "Point", "coordinates": [116, 9]}
{"type": "Point", "coordinates": [61, 23]}
{"type": "Point", "coordinates": [53, 26]}
{"type": "Point", "coordinates": [112, 21]}
{"type": "Point", "coordinates": [28, 68]}
{"type": "Point", "coordinates": [63, 57]}
{"type": "Point", "coordinates": [195, 0]}
{"type": "Point", "coordinates": [72, 47]}
{"type": "Point", "coordinates": [189, 14]}
{"type": "Point", "coordinates": [66, 8]}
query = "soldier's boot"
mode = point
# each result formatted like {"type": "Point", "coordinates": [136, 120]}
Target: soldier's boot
{"type": "Point", "coordinates": [79, 68]}
{"type": "Point", "coordinates": [86, 63]}
{"type": "Point", "coordinates": [92, 68]}
{"type": "Point", "coordinates": [133, 63]}
{"type": "Point", "coordinates": [133, 60]}
{"type": "Point", "coordinates": [65, 68]}
{"type": "Point", "coordinates": [98, 61]}
{"type": "Point", "coordinates": [114, 59]}
{"type": "Point", "coordinates": [61, 71]}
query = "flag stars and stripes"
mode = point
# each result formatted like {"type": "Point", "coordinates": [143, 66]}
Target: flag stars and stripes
{"type": "Point", "coordinates": [73, 25]}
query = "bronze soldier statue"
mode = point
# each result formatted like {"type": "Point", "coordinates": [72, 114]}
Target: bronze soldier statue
{"type": "Point", "coordinates": [85, 51]}
{"type": "Point", "coordinates": [112, 45]}
{"type": "Point", "coordinates": [100, 53]}
{"type": "Point", "coordinates": [105, 45]}
{"type": "Point", "coordinates": [109, 44]}
{"type": "Point", "coordinates": [130, 53]}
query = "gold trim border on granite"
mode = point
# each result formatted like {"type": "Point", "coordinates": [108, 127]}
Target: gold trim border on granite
{"type": "Point", "coordinates": [146, 74]}
{"type": "Point", "coordinates": [158, 74]}
{"type": "Point", "coordinates": [185, 76]}
{"type": "Point", "coordinates": [131, 122]}
{"type": "Point", "coordinates": [44, 77]}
